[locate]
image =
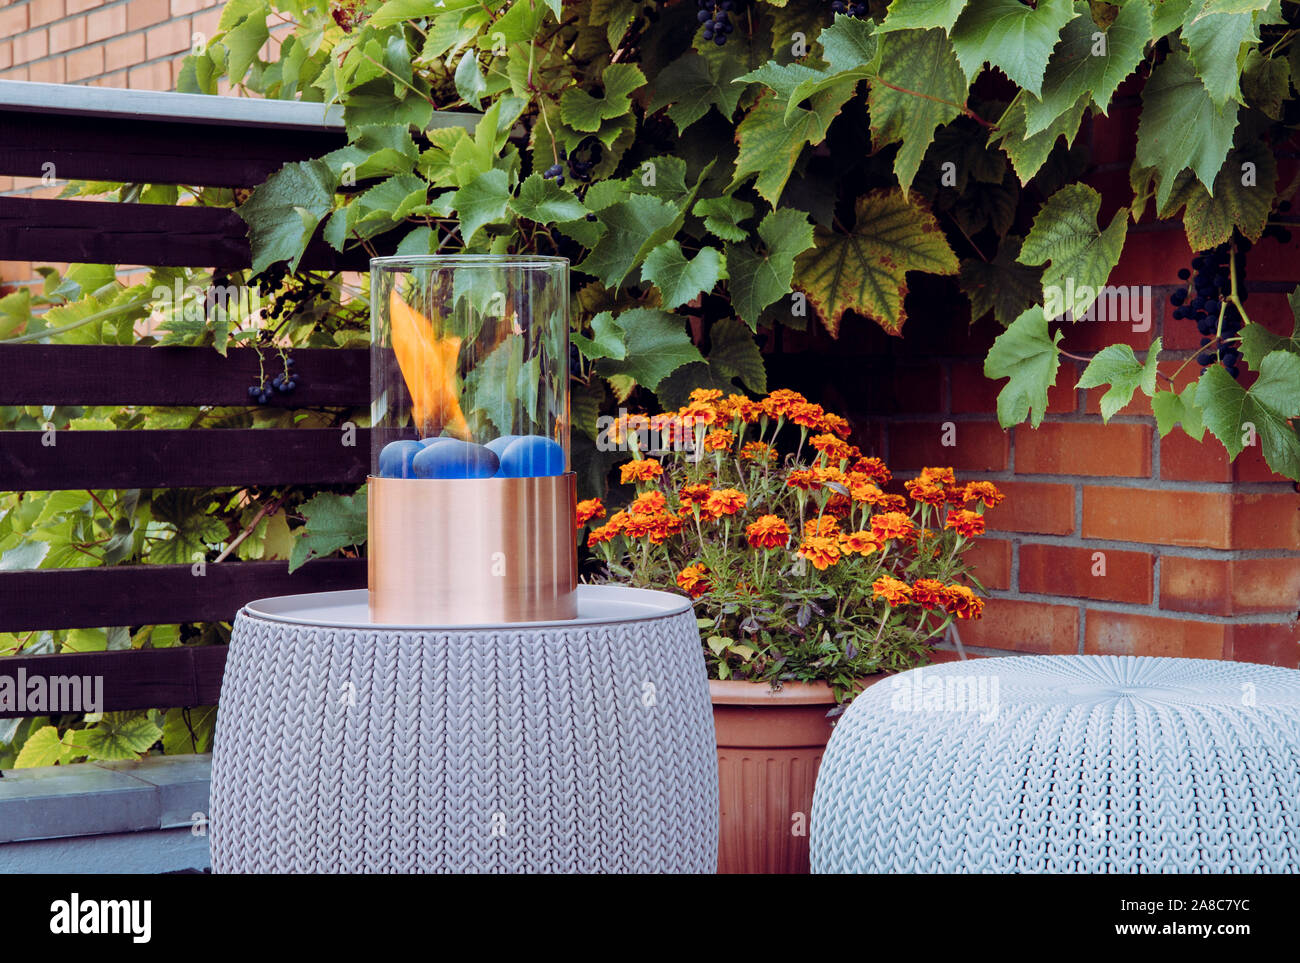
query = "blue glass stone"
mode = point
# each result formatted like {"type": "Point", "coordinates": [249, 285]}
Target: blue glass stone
{"type": "Point", "coordinates": [395, 459]}
{"type": "Point", "coordinates": [455, 459]}
{"type": "Point", "coordinates": [499, 445]}
{"type": "Point", "coordinates": [531, 456]}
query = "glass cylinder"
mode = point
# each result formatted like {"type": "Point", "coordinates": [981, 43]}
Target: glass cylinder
{"type": "Point", "coordinates": [471, 497]}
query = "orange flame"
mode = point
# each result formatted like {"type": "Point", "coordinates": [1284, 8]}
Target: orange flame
{"type": "Point", "coordinates": [428, 364]}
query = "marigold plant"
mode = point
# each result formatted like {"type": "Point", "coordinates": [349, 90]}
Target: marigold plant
{"type": "Point", "coordinates": [801, 565]}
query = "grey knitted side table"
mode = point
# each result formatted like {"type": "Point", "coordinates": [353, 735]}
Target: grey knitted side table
{"type": "Point", "coordinates": [578, 746]}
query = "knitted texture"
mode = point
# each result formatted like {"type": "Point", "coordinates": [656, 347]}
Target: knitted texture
{"type": "Point", "coordinates": [1087, 764]}
{"type": "Point", "coordinates": [586, 748]}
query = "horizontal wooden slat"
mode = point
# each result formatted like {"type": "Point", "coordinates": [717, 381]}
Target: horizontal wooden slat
{"type": "Point", "coordinates": [147, 679]}
{"type": "Point", "coordinates": [158, 594]}
{"type": "Point", "coordinates": [211, 458]}
{"type": "Point", "coordinates": [73, 374]}
{"type": "Point", "coordinates": [99, 232]}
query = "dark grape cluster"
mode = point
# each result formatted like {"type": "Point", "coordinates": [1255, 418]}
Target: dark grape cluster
{"type": "Point", "coordinates": [284, 383]}
{"type": "Point", "coordinates": [578, 169]}
{"type": "Point", "coordinates": [715, 16]}
{"type": "Point", "coordinates": [1205, 300]}
{"type": "Point", "coordinates": [849, 8]}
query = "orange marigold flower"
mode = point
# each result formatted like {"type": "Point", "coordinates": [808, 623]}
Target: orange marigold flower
{"type": "Point", "coordinates": [694, 580]}
{"type": "Point", "coordinates": [725, 501]}
{"type": "Point", "coordinates": [924, 491]}
{"type": "Point", "coordinates": [823, 525]}
{"type": "Point", "coordinates": [863, 543]}
{"type": "Point", "coordinates": [836, 425]}
{"type": "Point", "coordinates": [893, 525]}
{"type": "Point", "coordinates": [892, 503]}
{"type": "Point", "coordinates": [983, 491]}
{"type": "Point", "coordinates": [588, 509]}
{"type": "Point", "coordinates": [872, 468]}
{"type": "Point", "coordinates": [705, 395]}
{"type": "Point", "coordinates": [719, 440]}
{"type": "Point", "coordinates": [940, 476]}
{"type": "Point", "coordinates": [648, 503]}
{"type": "Point", "coordinates": [967, 523]}
{"type": "Point", "coordinates": [830, 476]}
{"type": "Point", "coordinates": [930, 593]}
{"type": "Point", "coordinates": [801, 478]}
{"type": "Point", "coordinates": [822, 550]}
{"type": "Point", "coordinates": [697, 414]}
{"type": "Point", "coordinates": [769, 531]}
{"type": "Point", "coordinates": [641, 470]}
{"type": "Point", "coordinates": [638, 525]}
{"type": "Point", "coordinates": [781, 403]}
{"type": "Point", "coordinates": [832, 447]}
{"type": "Point", "coordinates": [838, 506]}
{"type": "Point", "coordinates": [693, 494]}
{"type": "Point", "coordinates": [663, 526]}
{"type": "Point", "coordinates": [963, 603]}
{"type": "Point", "coordinates": [757, 451]}
{"type": "Point", "coordinates": [807, 415]}
{"type": "Point", "coordinates": [865, 491]}
{"type": "Point", "coordinates": [603, 533]}
{"type": "Point", "coordinates": [955, 496]}
{"type": "Point", "coordinates": [891, 590]}
{"type": "Point", "coordinates": [738, 406]}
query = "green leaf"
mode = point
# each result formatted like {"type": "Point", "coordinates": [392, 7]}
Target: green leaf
{"type": "Point", "coordinates": [1214, 37]}
{"type": "Point", "coordinates": [1082, 255]}
{"type": "Point", "coordinates": [680, 279]}
{"type": "Point", "coordinates": [176, 737]}
{"type": "Point", "coordinates": [922, 14]}
{"type": "Point", "coordinates": [283, 212]}
{"type": "Point", "coordinates": [1026, 354]}
{"type": "Point", "coordinates": [733, 353]}
{"type": "Point", "coordinates": [1181, 127]}
{"type": "Point", "coordinates": [400, 11]}
{"type": "Point", "coordinates": [629, 225]}
{"type": "Point", "coordinates": [119, 735]}
{"type": "Point", "coordinates": [1210, 218]}
{"type": "Point", "coordinates": [1004, 285]}
{"type": "Point", "coordinates": [769, 147]}
{"type": "Point", "coordinates": [581, 111]}
{"type": "Point", "coordinates": [1266, 83]}
{"type": "Point", "coordinates": [657, 344]}
{"type": "Point", "coordinates": [1231, 411]}
{"type": "Point", "coordinates": [1011, 36]}
{"type": "Point", "coordinates": [1028, 152]}
{"type": "Point", "coordinates": [1116, 365]}
{"type": "Point", "coordinates": [483, 200]}
{"type": "Point", "coordinates": [866, 270]}
{"type": "Point", "coordinates": [244, 39]}
{"type": "Point", "coordinates": [469, 79]}
{"type": "Point", "coordinates": [333, 522]}
{"type": "Point", "coordinates": [759, 277]}
{"type": "Point", "coordinates": [1082, 64]}
{"type": "Point", "coordinates": [606, 339]}
{"type": "Point", "coordinates": [42, 748]}
{"type": "Point", "coordinates": [546, 202]}
{"type": "Point", "coordinates": [722, 216]}
{"type": "Point", "coordinates": [1167, 16]}
{"type": "Point", "coordinates": [923, 63]}
{"type": "Point", "coordinates": [16, 311]}
{"type": "Point", "coordinates": [195, 529]}
{"type": "Point", "coordinates": [691, 84]}
{"type": "Point", "coordinates": [1172, 409]}
{"type": "Point", "coordinates": [1257, 341]}
{"type": "Point", "coordinates": [375, 104]}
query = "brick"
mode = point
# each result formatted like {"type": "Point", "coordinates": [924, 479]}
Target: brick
{"type": "Point", "coordinates": [1152, 256]}
{"type": "Point", "coordinates": [31, 46]}
{"type": "Point", "coordinates": [971, 392]}
{"type": "Point", "coordinates": [167, 38]}
{"type": "Point", "coordinates": [117, 79]}
{"type": "Point", "coordinates": [124, 52]}
{"type": "Point", "coordinates": [206, 22]}
{"type": "Point", "coordinates": [1270, 260]}
{"type": "Point", "coordinates": [85, 63]}
{"type": "Point", "coordinates": [1158, 517]}
{"type": "Point", "coordinates": [1019, 626]}
{"type": "Point", "coordinates": [45, 11]}
{"type": "Point", "coordinates": [1266, 585]}
{"type": "Point", "coordinates": [1266, 643]}
{"type": "Point", "coordinates": [81, 6]}
{"type": "Point", "coordinates": [13, 20]}
{"type": "Point", "coordinates": [17, 73]}
{"type": "Point", "coordinates": [1122, 633]}
{"type": "Point", "coordinates": [67, 35]}
{"type": "Point", "coordinates": [1079, 448]}
{"type": "Point", "coordinates": [6, 54]}
{"type": "Point", "coordinates": [1250, 466]}
{"type": "Point", "coordinates": [979, 446]}
{"type": "Point", "coordinates": [1113, 137]}
{"type": "Point", "coordinates": [52, 71]}
{"type": "Point", "coordinates": [990, 559]}
{"type": "Point", "coordinates": [1068, 570]}
{"type": "Point", "coordinates": [156, 76]}
{"type": "Point", "coordinates": [1183, 458]}
{"type": "Point", "coordinates": [1038, 507]}
{"type": "Point", "coordinates": [181, 7]}
{"type": "Point", "coordinates": [1200, 585]}
{"type": "Point", "coordinates": [1266, 520]}
{"type": "Point", "coordinates": [105, 23]}
{"type": "Point", "coordinates": [145, 13]}
{"type": "Point", "coordinates": [1088, 336]}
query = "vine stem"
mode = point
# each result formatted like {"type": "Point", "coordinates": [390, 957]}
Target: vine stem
{"type": "Point", "coordinates": [268, 509]}
{"type": "Point", "coordinates": [966, 111]}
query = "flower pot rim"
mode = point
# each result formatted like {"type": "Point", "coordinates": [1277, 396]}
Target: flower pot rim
{"type": "Point", "coordinates": [734, 692]}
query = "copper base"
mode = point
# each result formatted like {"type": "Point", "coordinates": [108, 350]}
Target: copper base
{"type": "Point", "coordinates": [472, 551]}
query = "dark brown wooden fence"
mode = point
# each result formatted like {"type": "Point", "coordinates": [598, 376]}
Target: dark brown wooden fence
{"type": "Point", "coordinates": [139, 137]}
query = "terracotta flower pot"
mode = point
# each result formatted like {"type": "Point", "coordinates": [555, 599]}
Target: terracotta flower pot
{"type": "Point", "coordinates": [770, 743]}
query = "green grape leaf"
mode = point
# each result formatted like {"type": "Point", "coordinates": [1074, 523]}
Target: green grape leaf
{"type": "Point", "coordinates": [769, 146]}
{"type": "Point", "coordinates": [1214, 36]}
{"type": "Point", "coordinates": [921, 62]}
{"type": "Point", "coordinates": [42, 748]}
{"type": "Point", "coordinates": [678, 278]}
{"type": "Point", "coordinates": [1181, 127]}
{"type": "Point", "coordinates": [1011, 36]}
{"type": "Point", "coordinates": [333, 522]}
{"type": "Point", "coordinates": [176, 737]}
{"type": "Point", "coordinates": [692, 84]}
{"type": "Point", "coordinates": [722, 216]}
{"type": "Point", "coordinates": [866, 270]}
{"type": "Point", "coordinates": [375, 104]}
{"type": "Point", "coordinates": [1028, 153]}
{"type": "Point", "coordinates": [1167, 16]}
{"type": "Point", "coordinates": [399, 11]}
{"type": "Point", "coordinates": [1173, 409]}
{"type": "Point", "coordinates": [1237, 416]}
{"type": "Point", "coordinates": [606, 339]}
{"type": "Point", "coordinates": [1082, 255]}
{"type": "Point", "coordinates": [922, 14]}
{"type": "Point", "coordinates": [1004, 285]}
{"type": "Point", "coordinates": [657, 345]}
{"type": "Point", "coordinates": [1242, 198]}
{"type": "Point", "coordinates": [119, 735]}
{"type": "Point", "coordinates": [629, 225]}
{"type": "Point", "coordinates": [733, 353]}
{"type": "Point", "coordinates": [283, 212]}
{"type": "Point", "coordinates": [1257, 341]}
{"type": "Point", "coordinates": [546, 202]}
{"type": "Point", "coordinates": [1026, 353]}
{"type": "Point", "coordinates": [581, 111]}
{"type": "Point", "coordinates": [1266, 83]}
{"type": "Point", "coordinates": [1088, 61]}
{"type": "Point", "coordinates": [244, 31]}
{"type": "Point", "coordinates": [756, 277]}
{"type": "Point", "coordinates": [849, 47]}
{"type": "Point", "coordinates": [469, 79]}
{"type": "Point", "coordinates": [484, 200]}
{"type": "Point", "coordinates": [1116, 365]}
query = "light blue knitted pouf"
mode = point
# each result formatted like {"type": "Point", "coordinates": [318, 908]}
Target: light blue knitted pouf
{"type": "Point", "coordinates": [1079, 764]}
